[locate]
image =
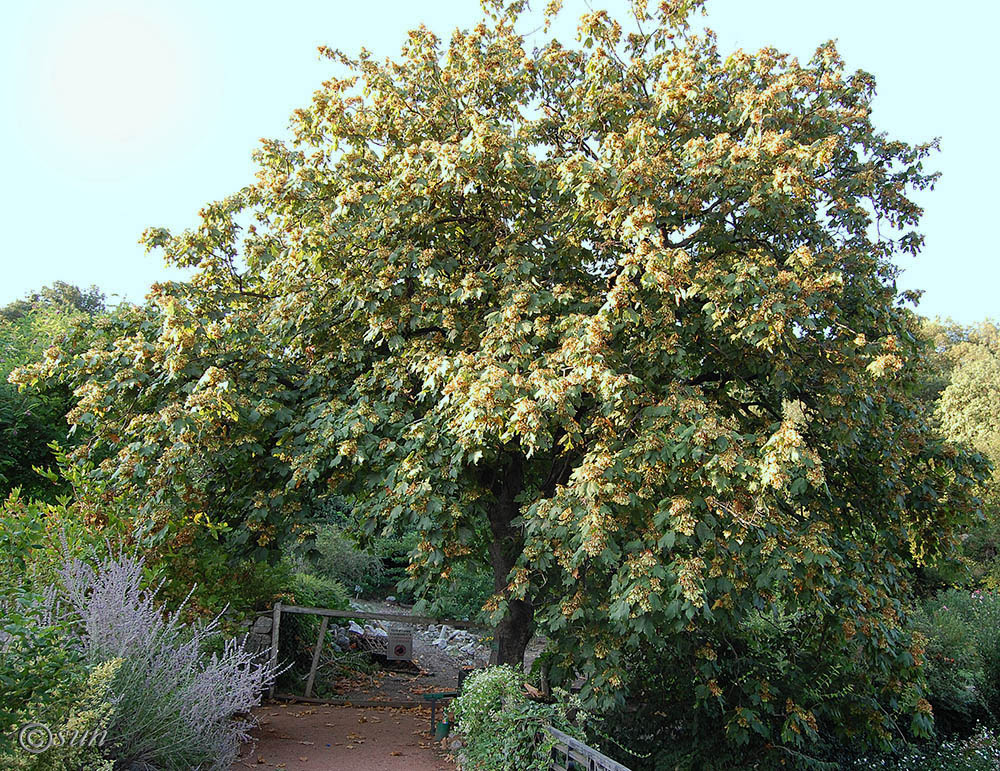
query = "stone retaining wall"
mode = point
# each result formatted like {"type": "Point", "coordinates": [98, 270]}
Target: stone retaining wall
{"type": "Point", "coordinates": [258, 635]}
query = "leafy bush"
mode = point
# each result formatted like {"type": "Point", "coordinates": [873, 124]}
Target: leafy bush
{"type": "Point", "coordinates": [393, 552]}
{"type": "Point", "coordinates": [379, 568]}
{"type": "Point", "coordinates": [35, 537]}
{"type": "Point", "coordinates": [983, 608]}
{"type": "Point", "coordinates": [175, 706]}
{"type": "Point", "coordinates": [461, 595]}
{"type": "Point", "coordinates": [978, 752]}
{"type": "Point", "coordinates": [778, 690]}
{"type": "Point", "coordinates": [241, 587]}
{"type": "Point", "coordinates": [299, 632]}
{"type": "Point", "coordinates": [30, 421]}
{"type": "Point", "coordinates": [336, 556]}
{"type": "Point", "coordinates": [318, 592]}
{"type": "Point", "coordinates": [42, 671]}
{"type": "Point", "coordinates": [196, 570]}
{"type": "Point", "coordinates": [953, 665]}
{"type": "Point", "coordinates": [78, 740]}
{"type": "Point", "coordinates": [502, 727]}
{"type": "Point", "coordinates": [967, 620]}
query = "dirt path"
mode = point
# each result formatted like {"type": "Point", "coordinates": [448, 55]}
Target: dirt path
{"type": "Point", "coordinates": [315, 737]}
{"type": "Point", "coordinates": [300, 737]}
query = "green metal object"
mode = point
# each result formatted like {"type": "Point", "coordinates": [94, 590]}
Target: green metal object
{"type": "Point", "coordinates": [436, 727]}
{"type": "Point", "coordinates": [442, 729]}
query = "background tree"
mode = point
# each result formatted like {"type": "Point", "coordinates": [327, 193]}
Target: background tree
{"type": "Point", "coordinates": [29, 422]}
{"type": "Point", "coordinates": [59, 295]}
{"type": "Point", "coordinates": [610, 316]}
{"type": "Point", "coordinates": [970, 401]}
{"type": "Point", "coordinates": [964, 386]}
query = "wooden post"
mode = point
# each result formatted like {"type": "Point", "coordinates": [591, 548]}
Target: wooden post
{"type": "Point", "coordinates": [276, 622]}
{"type": "Point", "coordinates": [315, 661]}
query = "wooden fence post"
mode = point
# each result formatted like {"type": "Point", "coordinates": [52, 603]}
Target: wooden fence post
{"type": "Point", "coordinates": [315, 661]}
{"type": "Point", "coordinates": [274, 644]}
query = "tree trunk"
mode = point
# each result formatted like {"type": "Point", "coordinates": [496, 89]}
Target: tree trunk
{"type": "Point", "coordinates": [514, 630]}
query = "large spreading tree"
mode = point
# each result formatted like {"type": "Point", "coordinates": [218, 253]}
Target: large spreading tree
{"type": "Point", "coordinates": [618, 317]}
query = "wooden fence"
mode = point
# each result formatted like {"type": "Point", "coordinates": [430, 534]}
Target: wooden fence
{"type": "Point", "coordinates": [327, 614]}
{"type": "Point", "coordinates": [571, 754]}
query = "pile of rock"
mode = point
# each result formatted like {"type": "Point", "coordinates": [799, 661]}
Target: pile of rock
{"type": "Point", "coordinates": [458, 642]}
{"type": "Point", "coordinates": [340, 638]}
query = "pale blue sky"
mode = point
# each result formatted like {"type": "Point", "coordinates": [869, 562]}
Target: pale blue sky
{"type": "Point", "coordinates": [120, 115]}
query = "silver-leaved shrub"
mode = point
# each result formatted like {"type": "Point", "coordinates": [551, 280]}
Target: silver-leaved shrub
{"type": "Point", "coordinates": [176, 707]}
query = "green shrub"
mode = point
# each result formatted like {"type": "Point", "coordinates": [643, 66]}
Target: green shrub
{"type": "Point", "coordinates": [778, 690]}
{"type": "Point", "coordinates": [502, 727]}
{"type": "Point", "coordinates": [318, 592]}
{"type": "Point", "coordinates": [42, 671]}
{"type": "Point", "coordinates": [953, 665]}
{"type": "Point", "coordinates": [394, 551]}
{"type": "Point", "coordinates": [35, 536]}
{"type": "Point", "coordinates": [977, 752]}
{"type": "Point", "coordinates": [218, 582]}
{"type": "Point", "coordinates": [379, 569]}
{"type": "Point", "coordinates": [336, 556]}
{"type": "Point", "coordinates": [984, 612]}
{"type": "Point", "coordinates": [981, 550]}
{"type": "Point", "coordinates": [461, 595]}
{"type": "Point", "coordinates": [78, 740]}
{"type": "Point", "coordinates": [44, 679]}
{"type": "Point", "coordinates": [31, 420]}
{"type": "Point", "coordinates": [299, 632]}
{"type": "Point", "coordinates": [980, 611]}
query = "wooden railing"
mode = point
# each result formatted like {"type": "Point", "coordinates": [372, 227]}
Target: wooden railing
{"type": "Point", "coordinates": [571, 754]}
